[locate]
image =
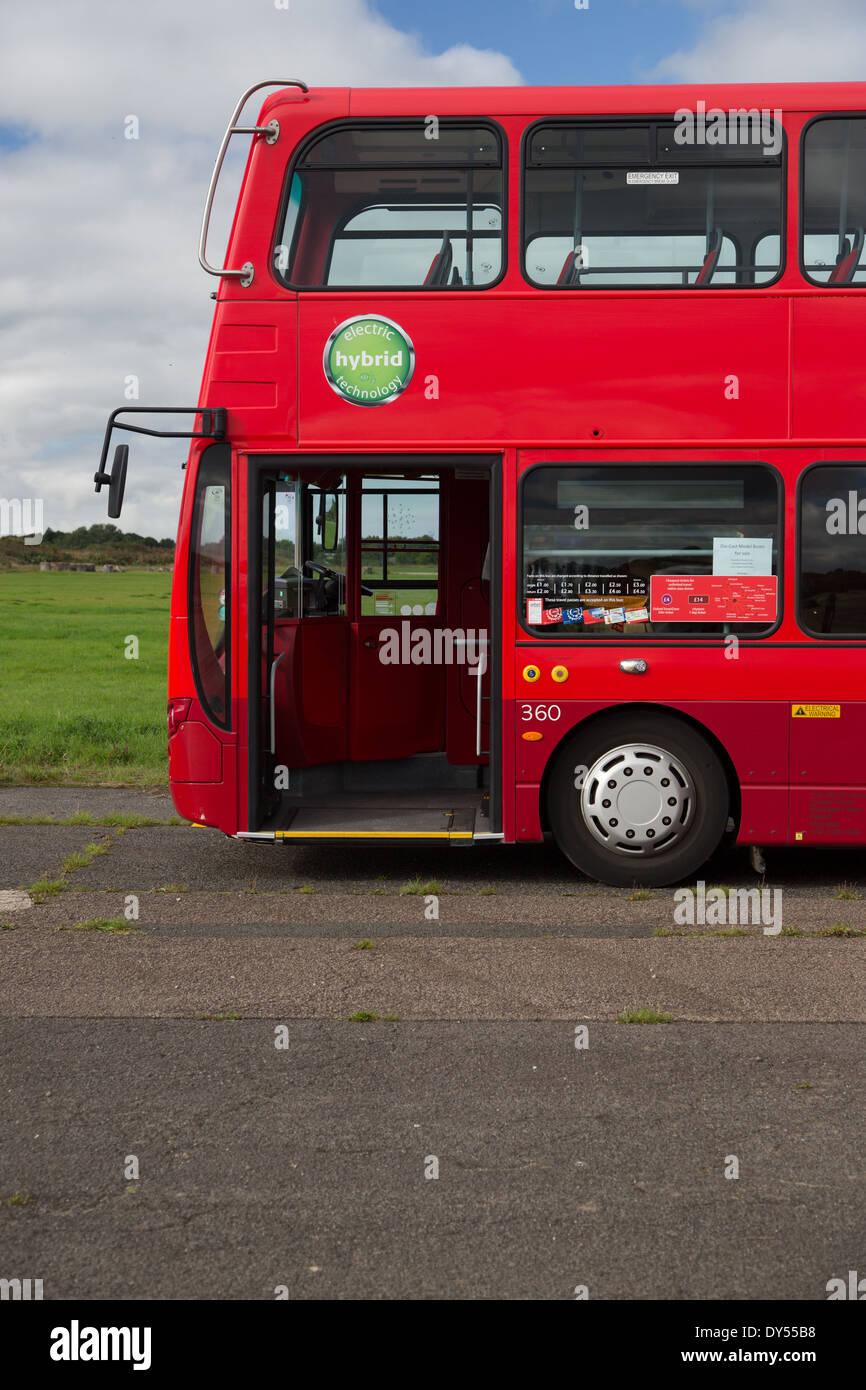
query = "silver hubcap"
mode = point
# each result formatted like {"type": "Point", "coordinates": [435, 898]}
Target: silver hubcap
{"type": "Point", "coordinates": [638, 800]}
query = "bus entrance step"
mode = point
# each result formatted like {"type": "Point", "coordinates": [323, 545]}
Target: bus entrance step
{"type": "Point", "coordinates": [365, 823]}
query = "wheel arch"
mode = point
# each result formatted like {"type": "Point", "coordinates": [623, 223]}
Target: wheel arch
{"type": "Point", "coordinates": [598, 717]}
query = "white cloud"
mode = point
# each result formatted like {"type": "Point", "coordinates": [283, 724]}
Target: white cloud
{"type": "Point", "coordinates": [773, 41]}
{"type": "Point", "coordinates": [98, 271]}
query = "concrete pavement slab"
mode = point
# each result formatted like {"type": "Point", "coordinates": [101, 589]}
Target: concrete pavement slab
{"type": "Point", "coordinates": [305, 1167]}
{"type": "Point", "coordinates": [81, 974]}
{"type": "Point", "coordinates": [60, 802]}
{"type": "Point", "coordinates": [28, 853]}
{"type": "Point", "coordinates": [354, 912]}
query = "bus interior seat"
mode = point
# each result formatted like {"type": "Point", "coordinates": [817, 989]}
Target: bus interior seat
{"type": "Point", "coordinates": [846, 266]}
{"type": "Point", "coordinates": [570, 273]}
{"type": "Point", "coordinates": [440, 266]}
{"type": "Point", "coordinates": [711, 260]}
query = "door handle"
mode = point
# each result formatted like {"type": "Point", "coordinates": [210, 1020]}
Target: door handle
{"type": "Point", "coordinates": [634, 666]}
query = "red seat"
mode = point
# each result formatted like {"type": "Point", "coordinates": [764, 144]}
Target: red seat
{"type": "Point", "coordinates": [843, 271]}
{"type": "Point", "coordinates": [566, 267]}
{"type": "Point", "coordinates": [440, 266]}
{"type": "Point", "coordinates": [711, 260]}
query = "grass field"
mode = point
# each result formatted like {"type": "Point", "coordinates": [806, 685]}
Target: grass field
{"type": "Point", "coordinates": [73, 708]}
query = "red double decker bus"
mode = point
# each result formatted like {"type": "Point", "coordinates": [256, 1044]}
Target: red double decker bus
{"type": "Point", "coordinates": [527, 485]}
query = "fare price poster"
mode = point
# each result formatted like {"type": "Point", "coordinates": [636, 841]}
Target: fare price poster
{"type": "Point", "coordinates": [713, 598]}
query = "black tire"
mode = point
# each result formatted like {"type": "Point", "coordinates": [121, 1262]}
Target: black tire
{"type": "Point", "coordinates": [594, 838]}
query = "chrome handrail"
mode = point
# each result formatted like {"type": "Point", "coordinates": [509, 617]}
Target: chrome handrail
{"type": "Point", "coordinates": [480, 671]}
{"type": "Point", "coordinates": [271, 691]}
{"type": "Point", "coordinates": [271, 133]}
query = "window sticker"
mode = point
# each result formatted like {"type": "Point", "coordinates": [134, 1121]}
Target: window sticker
{"type": "Point", "coordinates": [572, 586]}
{"type": "Point", "coordinates": [713, 598]}
{"type": "Point", "coordinates": [594, 615]}
{"type": "Point", "coordinates": [539, 616]}
{"type": "Point", "coordinates": [653, 176]}
{"type": "Point", "coordinates": [385, 602]}
{"type": "Point", "coordinates": [742, 555]}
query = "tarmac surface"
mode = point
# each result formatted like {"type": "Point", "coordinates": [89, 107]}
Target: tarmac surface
{"type": "Point", "coordinates": [289, 1040]}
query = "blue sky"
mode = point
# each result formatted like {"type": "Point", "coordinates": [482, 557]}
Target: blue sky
{"type": "Point", "coordinates": [13, 137]}
{"type": "Point", "coordinates": [552, 44]}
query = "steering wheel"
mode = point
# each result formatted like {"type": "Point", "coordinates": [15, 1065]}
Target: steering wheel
{"type": "Point", "coordinates": [326, 573]}
{"type": "Point", "coordinates": [321, 569]}
{"type": "Point", "coordinates": [333, 574]}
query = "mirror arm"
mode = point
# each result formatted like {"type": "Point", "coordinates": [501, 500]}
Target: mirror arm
{"type": "Point", "coordinates": [214, 426]}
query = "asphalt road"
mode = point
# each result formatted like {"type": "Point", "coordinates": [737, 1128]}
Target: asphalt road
{"type": "Point", "coordinates": [304, 1166]}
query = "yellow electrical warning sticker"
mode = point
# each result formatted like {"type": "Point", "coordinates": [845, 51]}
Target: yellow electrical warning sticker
{"type": "Point", "coordinates": [816, 711]}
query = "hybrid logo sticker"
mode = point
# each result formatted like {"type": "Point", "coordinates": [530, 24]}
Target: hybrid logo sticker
{"type": "Point", "coordinates": [369, 360]}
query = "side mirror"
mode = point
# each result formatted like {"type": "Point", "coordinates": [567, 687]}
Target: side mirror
{"type": "Point", "coordinates": [329, 512]}
{"type": "Point", "coordinates": [117, 486]}
{"type": "Point", "coordinates": [116, 480]}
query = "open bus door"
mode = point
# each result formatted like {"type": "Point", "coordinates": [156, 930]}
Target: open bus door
{"type": "Point", "coordinates": [373, 665]}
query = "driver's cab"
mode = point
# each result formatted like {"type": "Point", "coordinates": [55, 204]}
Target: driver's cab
{"type": "Point", "coordinates": [309, 523]}
{"type": "Point", "coordinates": [374, 613]}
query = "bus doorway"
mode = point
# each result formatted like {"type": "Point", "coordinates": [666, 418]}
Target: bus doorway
{"type": "Point", "coordinates": [376, 595]}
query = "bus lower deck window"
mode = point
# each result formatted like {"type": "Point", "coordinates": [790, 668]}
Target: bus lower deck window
{"type": "Point", "coordinates": [654, 550]}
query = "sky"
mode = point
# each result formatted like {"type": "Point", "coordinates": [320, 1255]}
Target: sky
{"type": "Point", "coordinates": [99, 278]}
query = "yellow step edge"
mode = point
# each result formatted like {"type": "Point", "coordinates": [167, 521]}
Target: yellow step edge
{"type": "Point", "coordinates": [373, 834]}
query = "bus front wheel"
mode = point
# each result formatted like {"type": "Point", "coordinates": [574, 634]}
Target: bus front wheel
{"type": "Point", "coordinates": [637, 800]}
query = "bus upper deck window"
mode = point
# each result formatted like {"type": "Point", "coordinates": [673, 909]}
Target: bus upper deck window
{"type": "Point", "coordinates": [210, 585]}
{"type": "Point", "coordinates": [637, 205]}
{"type": "Point", "coordinates": [384, 204]}
{"type": "Point", "coordinates": [834, 201]}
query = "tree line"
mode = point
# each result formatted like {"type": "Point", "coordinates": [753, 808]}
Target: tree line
{"type": "Point", "coordinates": [102, 533]}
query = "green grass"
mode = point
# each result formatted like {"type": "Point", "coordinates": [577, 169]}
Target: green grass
{"type": "Point", "coordinates": [364, 945]}
{"type": "Point", "coordinates": [19, 1199]}
{"type": "Point", "coordinates": [72, 708]}
{"type": "Point", "coordinates": [642, 1016]}
{"type": "Point", "coordinates": [49, 887]}
{"type": "Point", "coordinates": [46, 888]}
{"type": "Point", "coordinates": [847, 890]}
{"type": "Point", "coordinates": [364, 1016]}
{"type": "Point", "coordinates": [115, 926]}
{"type": "Point", "coordinates": [415, 886]}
